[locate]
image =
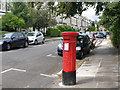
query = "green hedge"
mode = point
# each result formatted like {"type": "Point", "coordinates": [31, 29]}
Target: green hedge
{"type": "Point", "coordinates": [53, 32]}
{"type": "Point", "coordinates": [63, 28]}
{"type": "Point", "coordinates": [1, 32]}
{"type": "Point", "coordinates": [48, 32]}
{"type": "Point", "coordinates": [115, 39]}
{"type": "Point", "coordinates": [115, 36]}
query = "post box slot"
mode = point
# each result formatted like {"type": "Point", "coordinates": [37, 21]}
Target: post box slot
{"type": "Point", "coordinates": [66, 39]}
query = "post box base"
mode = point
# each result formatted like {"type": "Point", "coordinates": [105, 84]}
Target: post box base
{"type": "Point", "coordinates": [69, 77]}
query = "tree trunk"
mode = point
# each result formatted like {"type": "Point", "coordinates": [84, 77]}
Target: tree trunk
{"type": "Point", "coordinates": [33, 28]}
{"type": "Point", "coordinates": [15, 29]}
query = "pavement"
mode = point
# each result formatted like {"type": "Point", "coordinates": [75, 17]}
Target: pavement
{"type": "Point", "coordinates": [52, 38]}
{"type": "Point", "coordinates": [99, 69]}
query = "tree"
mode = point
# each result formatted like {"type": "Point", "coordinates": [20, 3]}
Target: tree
{"type": "Point", "coordinates": [43, 20]}
{"type": "Point", "coordinates": [111, 19]}
{"type": "Point", "coordinates": [51, 7]}
{"type": "Point", "coordinates": [36, 5]}
{"type": "Point", "coordinates": [11, 22]}
{"type": "Point", "coordinates": [21, 10]}
{"type": "Point", "coordinates": [69, 9]}
{"type": "Point", "coordinates": [92, 27]}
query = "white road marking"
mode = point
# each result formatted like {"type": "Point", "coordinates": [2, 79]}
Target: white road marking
{"type": "Point", "coordinates": [27, 86]}
{"type": "Point", "coordinates": [6, 70]}
{"type": "Point", "coordinates": [53, 75]}
{"type": "Point", "coordinates": [18, 70]}
{"type": "Point", "coordinates": [50, 55]}
{"type": "Point", "coordinates": [13, 69]}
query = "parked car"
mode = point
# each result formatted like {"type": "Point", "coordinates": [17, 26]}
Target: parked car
{"type": "Point", "coordinates": [108, 32]}
{"type": "Point", "coordinates": [13, 39]}
{"type": "Point", "coordinates": [99, 35]}
{"type": "Point", "coordinates": [82, 32]}
{"type": "Point", "coordinates": [92, 40]}
{"type": "Point", "coordinates": [82, 46]}
{"type": "Point", "coordinates": [35, 37]}
{"type": "Point", "coordinates": [103, 33]}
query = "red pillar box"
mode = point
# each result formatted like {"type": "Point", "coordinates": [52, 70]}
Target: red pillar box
{"type": "Point", "coordinates": [69, 58]}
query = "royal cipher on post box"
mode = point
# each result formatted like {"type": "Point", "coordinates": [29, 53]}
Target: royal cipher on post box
{"type": "Point", "coordinates": [69, 58]}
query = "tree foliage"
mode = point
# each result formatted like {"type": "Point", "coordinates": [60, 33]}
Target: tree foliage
{"type": "Point", "coordinates": [63, 28]}
{"type": "Point", "coordinates": [11, 22]}
{"type": "Point", "coordinates": [42, 19]}
{"type": "Point", "coordinates": [36, 5]}
{"type": "Point", "coordinates": [69, 9]}
{"type": "Point", "coordinates": [21, 10]}
{"type": "Point", "coordinates": [111, 19]}
{"type": "Point", "coordinates": [91, 27]}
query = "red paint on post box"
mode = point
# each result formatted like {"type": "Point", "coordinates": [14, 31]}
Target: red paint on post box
{"type": "Point", "coordinates": [69, 51]}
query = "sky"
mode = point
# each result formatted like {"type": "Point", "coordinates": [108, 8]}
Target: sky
{"type": "Point", "coordinates": [90, 14]}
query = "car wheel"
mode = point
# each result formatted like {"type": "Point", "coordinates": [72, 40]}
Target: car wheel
{"type": "Point", "coordinates": [26, 44]}
{"type": "Point", "coordinates": [59, 54]}
{"type": "Point", "coordinates": [88, 51]}
{"type": "Point", "coordinates": [43, 41]}
{"type": "Point", "coordinates": [36, 42]}
{"type": "Point", "coordinates": [8, 46]}
{"type": "Point", "coordinates": [81, 55]}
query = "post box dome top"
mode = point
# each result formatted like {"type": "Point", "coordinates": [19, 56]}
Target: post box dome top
{"type": "Point", "coordinates": [69, 33]}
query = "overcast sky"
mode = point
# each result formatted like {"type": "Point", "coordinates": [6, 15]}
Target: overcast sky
{"type": "Point", "coordinates": [90, 14]}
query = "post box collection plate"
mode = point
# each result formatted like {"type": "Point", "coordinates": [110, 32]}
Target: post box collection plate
{"type": "Point", "coordinates": [66, 46]}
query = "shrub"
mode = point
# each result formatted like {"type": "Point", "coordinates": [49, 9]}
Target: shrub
{"type": "Point", "coordinates": [48, 31]}
{"type": "Point", "coordinates": [10, 22]}
{"type": "Point", "coordinates": [63, 28]}
{"type": "Point", "coordinates": [2, 32]}
{"type": "Point", "coordinates": [54, 32]}
{"type": "Point", "coordinates": [115, 36]}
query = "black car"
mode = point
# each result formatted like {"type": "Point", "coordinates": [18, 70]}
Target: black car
{"type": "Point", "coordinates": [13, 39]}
{"type": "Point", "coordinates": [82, 46]}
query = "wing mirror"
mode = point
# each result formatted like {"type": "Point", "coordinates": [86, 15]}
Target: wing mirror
{"type": "Point", "coordinates": [13, 38]}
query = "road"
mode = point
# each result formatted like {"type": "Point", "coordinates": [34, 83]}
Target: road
{"type": "Point", "coordinates": [30, 67]}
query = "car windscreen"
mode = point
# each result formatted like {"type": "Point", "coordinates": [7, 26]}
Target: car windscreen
{"type": "Point", "coordinates": [7, 35]}
{"type": "Point", "coordinates": [90, 36]}
{"type": "Point", "coordinates": [79, 37]}
{"type": "Point", "coordinates": [30, 34]}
